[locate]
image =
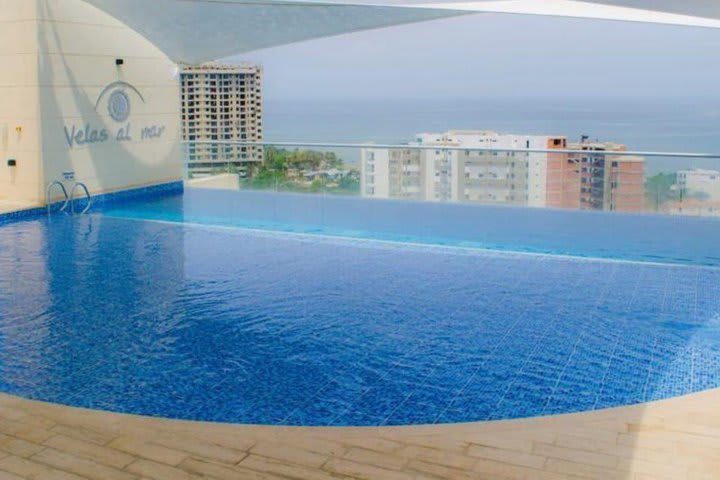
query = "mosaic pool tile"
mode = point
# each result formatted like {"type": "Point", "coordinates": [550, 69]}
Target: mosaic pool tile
{"type": "Point", "coordinates": [231, 325]}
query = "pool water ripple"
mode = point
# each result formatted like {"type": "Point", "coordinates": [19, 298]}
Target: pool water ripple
{"type": "Point", "coordinates": [234, 325]}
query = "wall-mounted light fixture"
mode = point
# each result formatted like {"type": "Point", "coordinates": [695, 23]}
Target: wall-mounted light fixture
{"type": "Point", "coordinates": [11, 162]}
{"type": "Point", "coordinates": [119, 62]}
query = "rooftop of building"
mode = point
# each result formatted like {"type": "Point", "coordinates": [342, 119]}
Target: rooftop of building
{"type": "Point", "coordinates": [215, 67]}
{"type": "Point", "coordinates": [459, 138]}
{"type": "Point", "coordinates": [698, 171]}
{"type": "Point", "coordinates": [597, 146]}
{"type": "Point", "coordinates": [627, 159]}
{"type": "Point", "coordinates": [485, 133]}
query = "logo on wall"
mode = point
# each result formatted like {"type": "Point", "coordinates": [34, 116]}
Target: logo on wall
{"type": "Point", "coordinates": [118, 100]}
{"type": "Point", "coordinates": [115, 99]}
{"type": "Point", "coordinates": [119, 106]}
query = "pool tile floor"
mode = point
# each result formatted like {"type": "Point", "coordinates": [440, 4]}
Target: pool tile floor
{"type": "Point", "coordinates": [670, 439]}
{"type": "Point", "coordinates": [361, 333]}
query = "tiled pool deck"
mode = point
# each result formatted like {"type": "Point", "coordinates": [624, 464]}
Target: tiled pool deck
{"type": "Point", "coordinates": [672, 439]}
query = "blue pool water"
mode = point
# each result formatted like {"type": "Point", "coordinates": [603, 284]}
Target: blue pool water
{"type": "Point", "coordinates": [169, 308]}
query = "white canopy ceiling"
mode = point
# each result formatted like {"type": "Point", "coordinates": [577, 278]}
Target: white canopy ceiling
{"type": "Point", "coordinates": [700, 13]}
{"type": "Point", "coordinates": [194, 31]}
{"type": "Point", "coordinates": [698, 8]}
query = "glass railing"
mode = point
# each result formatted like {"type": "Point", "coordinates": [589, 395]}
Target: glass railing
{"type": "Point", "coordinates": [589, 176]}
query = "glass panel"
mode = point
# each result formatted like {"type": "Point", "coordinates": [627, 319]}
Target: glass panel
{"type": "Point", "coordinates": [554, 174]}
{"type": "Point", "coordinates": [549, 196]}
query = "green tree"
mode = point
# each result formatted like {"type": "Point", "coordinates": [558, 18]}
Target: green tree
{"type": "Point", "coordinates": [317, 185]}
{"type": "Point", "coordinates": [275, 159]}
{"type": "Point", "coordinates": [659, 189]}
{"type": "Point", "coordinates": [349, 184]}
{"type": "Point", "coordinates": [272, 172]}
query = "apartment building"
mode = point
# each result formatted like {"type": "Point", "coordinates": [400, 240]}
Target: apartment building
{"type": "Point", "coordinates": [699, 182]}
{"type": "Point", "coordinates": [221, 103]}
{"type": "Point", "coordinates": [463, 173]}
{"type": "Point", "coordinates": [506, 177]}
{"type": "Point", "coordinates": [607, 182]}
{"type": "Point", "coordinates": [479, 168]}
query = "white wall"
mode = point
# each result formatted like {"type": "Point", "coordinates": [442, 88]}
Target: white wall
{"type": "Point", "coordinates": [537, 179]}
{"type": "Point", "coordinates": [701, 181]}
{"type": "Point", "coordinates": [68, 51]}
{"type": "Point", "coordinates": [19, 103]}
{"type": "Point", "coordinates": [224, 181]}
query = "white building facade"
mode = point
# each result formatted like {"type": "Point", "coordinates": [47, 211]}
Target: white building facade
{"type": "Point", "coordinates": [464, 173]}
{"type": "Point", "coordinates": [702, 182]}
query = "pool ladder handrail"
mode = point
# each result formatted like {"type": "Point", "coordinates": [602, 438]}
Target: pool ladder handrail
{"type": "Point", "coordinates": [47, 196]}
{"type": "Point", "coordinates": [87, 195]}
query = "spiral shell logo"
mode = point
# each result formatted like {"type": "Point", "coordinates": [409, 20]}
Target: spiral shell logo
{"type": "Point", "coordinates": [114, 101]}
{"type": "Point", "coordinates": [119, 106]}
{"type": "Point", "coordinates": [117, 95]}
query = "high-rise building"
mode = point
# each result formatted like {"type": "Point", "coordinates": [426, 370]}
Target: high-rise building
{"type": "Point", "coordinates": [463, 173]}
{"type": "Point", "coordinates": [221, 103]}
{"type": "Point", "coordinates": [477, 169]}
{"type": "Point", "coordinates": [608, 182]}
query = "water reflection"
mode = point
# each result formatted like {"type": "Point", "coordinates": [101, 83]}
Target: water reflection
{"type": "Point", "coordinates": [227, 324]}
{"type": "Point", "coordinates": [78, 299]}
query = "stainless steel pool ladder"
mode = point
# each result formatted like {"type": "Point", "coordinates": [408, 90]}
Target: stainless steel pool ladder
{"type": "Point", "coordinates": [87, 195]}
{"type": "Point", "coordinates": [69, 200]}
{"type": "Point", "coordinates": [47, 196]}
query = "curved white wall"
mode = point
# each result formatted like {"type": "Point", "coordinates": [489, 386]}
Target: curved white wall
{"type": "Point", "coordinates": [54, 116]}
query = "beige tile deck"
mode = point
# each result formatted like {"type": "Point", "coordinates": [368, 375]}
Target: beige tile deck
{"type": "Point", "coordinates": [673, 439]}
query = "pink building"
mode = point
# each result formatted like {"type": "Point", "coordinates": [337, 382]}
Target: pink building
{"type": "Point", "coordinates": [595, 180]}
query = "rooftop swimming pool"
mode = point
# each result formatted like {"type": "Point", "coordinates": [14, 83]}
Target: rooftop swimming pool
{"type": "Point", "coordinates": [649, 238]}
{"type": "Point", "coordinates": [301, 310]}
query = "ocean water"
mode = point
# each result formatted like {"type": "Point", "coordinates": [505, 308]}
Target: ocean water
{"type": "Point", "coordinates": [671, 125]}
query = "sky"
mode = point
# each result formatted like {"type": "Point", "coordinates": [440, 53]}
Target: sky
{"type": "Point", "coordinates": [498, 56]}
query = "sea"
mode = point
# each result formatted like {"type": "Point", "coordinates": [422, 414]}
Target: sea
{"type": "Point", "coordinates": [669, 125]}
